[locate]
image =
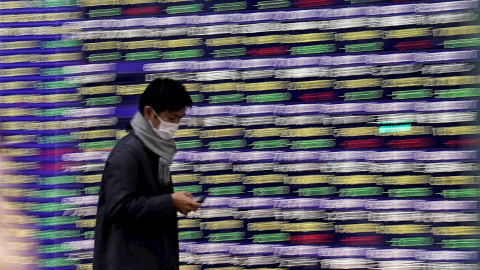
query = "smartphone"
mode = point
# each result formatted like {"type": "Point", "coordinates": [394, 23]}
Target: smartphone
{"type": "Point", "coordinates": [199, 199]}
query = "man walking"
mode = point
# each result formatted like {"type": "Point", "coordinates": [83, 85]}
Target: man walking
{"type": "Point", "coordinates": [136, 226]}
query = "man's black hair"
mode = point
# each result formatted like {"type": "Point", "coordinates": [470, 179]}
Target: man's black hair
{"type": "Point", "coordinates": [165, 94]}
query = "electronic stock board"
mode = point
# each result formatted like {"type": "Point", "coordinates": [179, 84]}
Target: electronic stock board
{"type": "Point", "coordinates": [326, 134]}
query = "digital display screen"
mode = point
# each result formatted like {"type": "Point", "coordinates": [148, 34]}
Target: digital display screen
{"type": "Point", "coordinates": [325, 134]}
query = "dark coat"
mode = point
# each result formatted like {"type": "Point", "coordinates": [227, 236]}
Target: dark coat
{"type": "Point", "coordinates": [137, 225]}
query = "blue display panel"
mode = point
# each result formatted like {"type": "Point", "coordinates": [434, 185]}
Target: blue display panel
{"type": "Point", "coordinates": [325, 134]}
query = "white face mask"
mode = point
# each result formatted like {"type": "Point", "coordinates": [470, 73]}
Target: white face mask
{"type": "Point", "coordinates": [166, 130]}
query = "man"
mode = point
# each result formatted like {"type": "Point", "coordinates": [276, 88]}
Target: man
{"type": "Point", "coordinates": [136, 218]}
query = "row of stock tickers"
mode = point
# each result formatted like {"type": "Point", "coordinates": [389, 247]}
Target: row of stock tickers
{"type": "Point", "coordinates": [326, 134]}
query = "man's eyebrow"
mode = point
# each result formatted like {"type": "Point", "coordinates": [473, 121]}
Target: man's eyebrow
{"type": "Point", "coordinates": [177, 115]}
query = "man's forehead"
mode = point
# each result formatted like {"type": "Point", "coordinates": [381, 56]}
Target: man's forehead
{"type": "Point", "coordinates": [178, 113]}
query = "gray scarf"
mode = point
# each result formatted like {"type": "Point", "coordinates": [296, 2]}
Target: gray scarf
{"type": "Point", "coordinates": [166, 149]}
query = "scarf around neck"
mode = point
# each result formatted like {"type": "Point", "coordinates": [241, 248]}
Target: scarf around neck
{"type": "Point", "coordinates": [166, 149]}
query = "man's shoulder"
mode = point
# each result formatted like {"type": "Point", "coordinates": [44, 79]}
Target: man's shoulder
{"type": "Point", "coordinates": [129, 143]}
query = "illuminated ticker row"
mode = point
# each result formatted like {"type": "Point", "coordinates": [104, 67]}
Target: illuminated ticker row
{"type": "Point", "coordinates": [409, 109]}
{"type": "Point", "coordinates": [271, 97]}
{"type": "Point", "coordinates": [269, 27]}
{"type": "Point", "coordinates": [310, 179]}
{"type": "Point", "coordinates": [93, 3]}
{"type": "Point", "coordinates": [291, 15]}
{"type": "Point", "coordinates": [199, 53]}
{"type": "Point", "coordinates": [40, 58]}
{"type": "Point", "coordinates": [382, 131]}
{"type": "Point", "coordinates": [329, 191]}
{"type": "Point", "coordinates": [332, 108]}
{"type": "Point", "coordinates": [225, 206]}
{"type": "Point", "coordinates": [40, 17]}
{"type": "Point", "coordinates": [377, 228]}
{"type": "Point", "coordinates": [315, 214]}
{"type": "Point", "coordinates": [94, 161]}
{"type": "Point", "coordinates": [216, 261]}
{"type": "Point", "coordinates": [286, 228]}
{"type": "Point", "coordinates": [10, 5]}
{"type": "Point", "coordinates": [301, 38]}
{"type": "Point", "coordinates": [269, 144]}
{"type": "Point", "coordinates": [158, 9]}
{"type": "Point", "coordinates": [242, 98]}
{"type": "Point", "coordinates": [442, 117]}
{"type": "Point", "coordinates": [292, 209]}
{"type": "Point", "coordinates": [242, 51]}
{"type": "Point", "coordinates": [274, 39]}
{"type": "Point", "coordinates": [311, 117]}
{"type": "Point", "coordinates": [238, 52]}
{"type": "Point", "coordinates": [333, 167]}
{"type": "Point", "coordinates": [321, 119]}
{"type": "Point", "coordinates": [323, 143]}
{"type": "Point", "coordinates": [217, 67]}
{"type": "Point", "coordinates": [377, 210]}
{"type": "Point", "coordinates": [148, 10]}
{"type": "Point", "coordinates": [332, 84]}
{"type": "Point", "coordinates": [229, 204]}
{"type": "Point", "coordinates": [280, 156]}
{"type": "Point", "coordinates": [279, 177]}
{"type": "Point", "coordinates": [261, 73]}
{"type": "Point", "coordinates": [398, 130]}
{"type": "Point", "coordinates": [251, 29]}
{"type": "Point", "coordinates": [67, 34]}
{"type": "Point", "coordinates": [330, 95]}
{"type": "Point", "coordinates": [393, 130]}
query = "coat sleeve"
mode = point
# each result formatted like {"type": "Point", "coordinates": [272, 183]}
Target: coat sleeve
{"type": "Point", "coordinates": [122, 200]}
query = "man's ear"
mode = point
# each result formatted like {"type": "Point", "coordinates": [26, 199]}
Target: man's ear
{"type": "Point", "coordinates": [147, 112]}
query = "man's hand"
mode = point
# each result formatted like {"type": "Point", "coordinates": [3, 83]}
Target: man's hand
{"type": "Point", "coordinates": [183, 202]}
